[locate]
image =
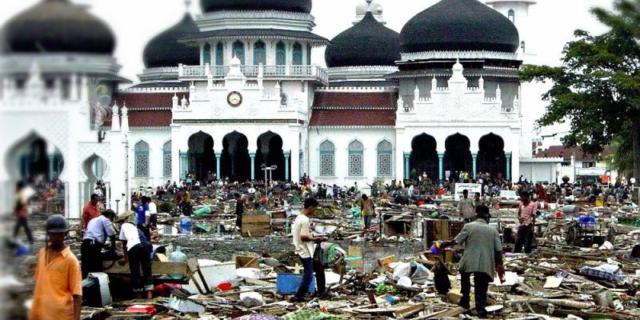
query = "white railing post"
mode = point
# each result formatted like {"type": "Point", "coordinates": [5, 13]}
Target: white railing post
{"type": "Point", "coordinates": [181, 70]}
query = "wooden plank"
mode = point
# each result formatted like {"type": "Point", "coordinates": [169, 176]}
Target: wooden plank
{"type": "Point", "coordinates": [157, 268]}
{"type": "Point", "coordinates": [246, 262]}
{"type": "Point", "coordinates": [386, 261]}
{"type": "Point", "coordinates": [409, 311]}
{"type": "Point", "coordinates": [353, 251]}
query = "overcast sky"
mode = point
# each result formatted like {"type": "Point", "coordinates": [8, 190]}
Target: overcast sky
{"type": "Point", "coordinates": [135, 22]}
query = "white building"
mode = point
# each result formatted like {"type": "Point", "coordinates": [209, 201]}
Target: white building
{"type": "Point", "coordinates": [235, 89]}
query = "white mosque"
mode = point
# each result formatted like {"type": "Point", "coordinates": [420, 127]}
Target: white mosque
{"type": "Point", "coordinates": [235, 89]}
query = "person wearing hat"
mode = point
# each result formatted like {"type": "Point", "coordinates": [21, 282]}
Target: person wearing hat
{"type": "Point", "coordinates": [482, 257]}
{"type": "Point", "coordinates": [58, 292]}
{"type": "Point", "coordinates": [95, 237]}
{"type": "Point", "coordinates": [137, 252]}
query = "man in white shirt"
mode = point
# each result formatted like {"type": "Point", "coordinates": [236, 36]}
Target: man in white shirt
{"type": "Point", "coordinates": [303, 241]}
{"type": "Point", "coordinates": [466, 207]}
{"type": "Point", "coordinates": [153, 212]}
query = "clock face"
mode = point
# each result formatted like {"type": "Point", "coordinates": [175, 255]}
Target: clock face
{"type": "Point", "coordinates": [234, 99]}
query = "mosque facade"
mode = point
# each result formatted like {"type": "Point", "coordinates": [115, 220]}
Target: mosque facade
{"type": "Point", "coordinates": [234, 91]}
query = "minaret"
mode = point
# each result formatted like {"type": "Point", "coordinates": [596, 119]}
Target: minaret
{"type": "Point", "coordinates": [518, 12]}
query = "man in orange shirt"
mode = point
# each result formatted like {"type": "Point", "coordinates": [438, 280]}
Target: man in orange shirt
{"type": "Point", "coordinates": [58, 293]}
{"type": "Point", "coordinates": [91, 210]}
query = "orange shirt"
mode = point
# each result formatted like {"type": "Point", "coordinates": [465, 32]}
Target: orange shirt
{"type": "Point", "coordinates": [89, 212]}
{"type": "Point", "coordinates": [56, 284]}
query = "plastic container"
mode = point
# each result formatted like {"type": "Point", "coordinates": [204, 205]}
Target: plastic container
{"type": "Point", "coordinates": [393, 300]}
{"type": "Point", "coordinates": [288, 283]}
{"type": "Point", "coordinates": [177, 256]}
{"type": "Point", "coordinates": [226, 286]}
{"type": "Point", "coordinates": [186, 225]}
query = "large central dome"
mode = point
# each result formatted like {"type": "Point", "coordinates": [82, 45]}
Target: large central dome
{"type": "Point", "coordinates": [368, 43]}
{"type": "Point", "coordinates": [57, 26]}
{"type": "Point", "coordinates": [303, 6]}
{"type": "Point", "coordinates": [459, 25]}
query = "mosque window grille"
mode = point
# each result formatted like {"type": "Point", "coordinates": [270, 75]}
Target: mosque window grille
{"type": "Point", "coordinates": [259, 53]}
{"type": "Point", "coordinates": [297, 54]}
{"type": "Point", "coordinates": [281, 54]}
{"type": "Point", "coordinates": [206, 54]}
{"type": "Point", "coordinates": [142, 159]}
{"type": "Point", "coordinates": [356, 159]}
{"type": "Point", "coordinates": [327, 159]}
{"type": "Point", "coordinates": [220, 54]}
{"type": "Point", "coordinates": [385, 159]}
{"type": "Point", "coordinates": [238, 51]}
{"type": "Point", "coordinates": [166, 159]}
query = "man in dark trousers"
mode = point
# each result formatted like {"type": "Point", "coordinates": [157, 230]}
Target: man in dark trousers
{"type": "Point", "coordinates": [305, 243]}
{"type": "Point", "coordinates": [527, 218]}
{"type": "Point", "coordinates": [98, 231]}
{"type": "Point", "coordinates": [482, 258]}
{"type": "Point", "coordinates": [239, 210]}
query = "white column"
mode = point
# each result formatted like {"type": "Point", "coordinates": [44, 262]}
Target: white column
{"type": "Point", "coordinates": [117, 171]}
{"type": "Point", "coordinates": [294, 158]}
{"type": "Point", "coordinates": [515, 158]}
{"type": "Point", "coordinates": [399, 154]}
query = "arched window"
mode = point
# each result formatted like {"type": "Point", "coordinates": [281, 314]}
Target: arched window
{"type": "Point", "coordinates": [220, 54]}
{"type": "Point", "coordinates": [385, 159]}
{"type": "Point", "coordinates": [166, 159]}
{"type": "Point", "coordinates": [238, 50]}
{"type": "Point", "coordinates": [281, 54]}
{"type": "Point", "coordinates": [523, 47]}
{"type": "Point", "coordinates": [142, 159]}
{"type": "Point", "coordinates": [206, 54]}
{"type": "Point", "coordinates": [512, 15]}
{"type": "Point", "coordinates": [297, 54]}
{"type": "Point", "coordinates": [259, 53]}
{"type": "Point", "coordinates": [356, 159]}
{"type": "Point", "coordinates": [327, 159]}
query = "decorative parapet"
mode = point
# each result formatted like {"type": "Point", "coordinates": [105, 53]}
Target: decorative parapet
{"type": "Point", "coordinates": [431, 55]}
{"type": "Point", "coordinates": [255, 15]}
{"type": "Point", "coordinates": [154, 90]}
{"type": "Point", "coordinates": [356, 89]}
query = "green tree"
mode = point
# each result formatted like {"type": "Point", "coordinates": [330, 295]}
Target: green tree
{"type": "Point", "coordinates": [597, 88]}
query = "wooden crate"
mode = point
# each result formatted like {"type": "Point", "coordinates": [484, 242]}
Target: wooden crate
{"type": "Point", "coordinates": [442, 230]}
{"type": "Point", "coordinates": [256, 225]}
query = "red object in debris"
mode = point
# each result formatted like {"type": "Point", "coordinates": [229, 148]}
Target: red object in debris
{"type": "Point", "coordinates": [420, 202]}
{"type": "Point", "coordinates": [226, 286]}
{"type": "Point", "coordinates": [558, 214]}
{"type": "Point", "coordinates": [164, 290]}
{"type": "Point", "coordinates": [147, 309]}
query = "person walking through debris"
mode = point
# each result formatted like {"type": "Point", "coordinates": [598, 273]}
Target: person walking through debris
{"type": "Point", "coordinates": [137, 252]}
{"type": "Point", "coordinates": [239, 209]}
{"type": "Point", "coordinates": [143, 216]}
{"type": "Point", "coordinates": [98, 230]}
{"type": "Point", "coordinates": [303, 241]}
{"type": "Point", "coordinates": [58, 292]}
{"type": "Point", "coordinates": [368, 210]}
{"type": "Point", "coordinates": [527, 218]}
{"type": "Point", "coordinates": [482, 257]}
{"type": "Point", "coordinates": [23, 193]}
{"type": "Point", "coordinates": [91, 211]}
{"type": "Point", "coordinates": [466, 207]}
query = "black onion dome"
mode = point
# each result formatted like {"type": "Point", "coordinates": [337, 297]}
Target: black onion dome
{"type": "Point", "coordinates": [165, 51]}
{"type": "Point", "coordinates": [459, 25]}
{"type": "Point", "coordinates": [368, 43]}
{"type": "Point", "coordinates": [57, 26]}
{"type": "Point", "coordinates": [303, 6]}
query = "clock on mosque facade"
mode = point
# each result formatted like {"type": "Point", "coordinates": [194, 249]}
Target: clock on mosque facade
{"type": "Point", "coordinates": [234, 99]}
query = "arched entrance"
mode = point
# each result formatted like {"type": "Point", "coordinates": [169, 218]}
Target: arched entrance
{"type": "Point", "coordinates": [235, 162]}
{"type": "Point", "coordinates": [270, 153]}
{"type": "Point", "coordinates": [424, 157]}
{"type": "Point", "coordinates": [491, 156]}
{"type": "Point", "coordinates": [34, 159]}
{"type": "Point", "coordinates": [457, 157]}
{"type": "Point", "coordinates": [201, 157]}
{"type": "Point", "coordinates": [94, 168]}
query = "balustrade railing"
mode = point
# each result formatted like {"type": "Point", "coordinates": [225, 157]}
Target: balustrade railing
{"type": "Point", "coordinates": [270, 71]}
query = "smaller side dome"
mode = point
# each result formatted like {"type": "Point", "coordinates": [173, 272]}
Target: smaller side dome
{"type": "Point", "coordinates": [57, 26]}
{"type": "Point", "coordinates": [368, 43]}
{"type": "Point", "coordinates": [165, 51]}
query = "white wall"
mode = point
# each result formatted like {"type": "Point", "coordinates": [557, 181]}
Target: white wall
{"type": "Point", "coordinates": [341, 138]}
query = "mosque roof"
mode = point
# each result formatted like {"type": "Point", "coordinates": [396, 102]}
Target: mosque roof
{"type": "Point", "coordinates": [367, 43]}
{"type": "Point", "coordinates": [257, 33]}
{"type": "Point", "coordinates": [302, 6]}
{"type": "Point", "coordinates": [353, 109]}
{"type": "Point", "coordinates": [459, 25]}
{"type": "Point", "coordinates": [57, 26]}
{"type": "Point", "coordinates": [165, 51]}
